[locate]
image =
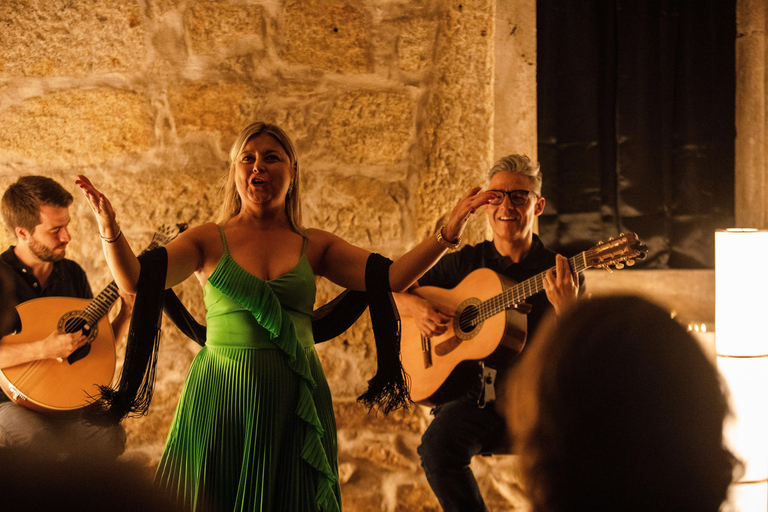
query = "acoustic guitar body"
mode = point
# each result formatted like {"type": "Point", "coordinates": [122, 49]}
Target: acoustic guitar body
{"type": "Point", "coordinates": [53, 385]}
{"type": "Point", "coordinates": [440, 369]}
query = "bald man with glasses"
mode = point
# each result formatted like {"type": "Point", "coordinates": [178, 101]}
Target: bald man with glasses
{"type": "Point", "coordinates": [469, 424]}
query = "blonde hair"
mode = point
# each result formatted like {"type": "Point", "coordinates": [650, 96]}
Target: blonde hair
{"type": "Point", "coordinates": [231, 202]}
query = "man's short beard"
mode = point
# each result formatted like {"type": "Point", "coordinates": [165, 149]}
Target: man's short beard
{"type": "Point", "coordinates": [44, 253]}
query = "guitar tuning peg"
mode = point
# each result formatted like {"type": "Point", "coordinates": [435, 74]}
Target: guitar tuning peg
{"type": "Point", "coordinates": [607, 268]}
{"type": "Point", "coordinates": [630, 263]}
{"type": "Point", "coordinates": [619, 266]}
{"type": "Point", "coordinates": [610, 239]}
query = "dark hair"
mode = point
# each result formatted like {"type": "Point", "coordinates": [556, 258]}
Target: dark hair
{"type": "Point", "coordinates": [22, 201]}
{"type": "Point", "coordinates": [616, 407]}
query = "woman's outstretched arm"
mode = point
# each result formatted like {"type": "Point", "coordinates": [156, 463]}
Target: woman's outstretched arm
{"type": "Point", "coordinates": [344, 264]}
{"type": "Point", "coordinates": [184, 253]}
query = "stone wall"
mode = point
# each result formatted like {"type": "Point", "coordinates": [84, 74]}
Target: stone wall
{"type": "Point", "coordinates": [391, 104]}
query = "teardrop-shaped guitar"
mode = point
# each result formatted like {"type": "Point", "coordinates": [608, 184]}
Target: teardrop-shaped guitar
{"type": "Point", "coordinates": [49, 385]}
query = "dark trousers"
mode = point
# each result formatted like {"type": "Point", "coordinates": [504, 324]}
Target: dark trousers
{"type": "Point", "coordinates": [59, 435]}
{"type": "Point", "coordinates": [459, 431]}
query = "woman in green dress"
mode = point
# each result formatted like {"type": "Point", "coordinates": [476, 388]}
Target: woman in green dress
{"type": "Point", "coordinates": [254, 428]}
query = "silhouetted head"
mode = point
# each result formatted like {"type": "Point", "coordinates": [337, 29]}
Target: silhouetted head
{"type": "Point", "coordinates": [616, 407]}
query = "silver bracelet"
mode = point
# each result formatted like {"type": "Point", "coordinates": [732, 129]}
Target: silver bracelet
{"type": "Point", "coordinates": [452, 246]}
{"type": "Point", "coordinates": [114, 238]}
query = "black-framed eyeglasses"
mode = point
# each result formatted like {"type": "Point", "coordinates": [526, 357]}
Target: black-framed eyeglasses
{"type": "Point", "coordinates": [516, 197]}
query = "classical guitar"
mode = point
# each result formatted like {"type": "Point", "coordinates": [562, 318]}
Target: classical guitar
{"type": "Point", "coordinates": [50, 385]}
{"type": "Point", "coordinates": [489, 323]}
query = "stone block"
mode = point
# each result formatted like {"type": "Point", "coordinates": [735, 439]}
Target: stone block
{"type": "Point", "coordinates": [382, 454]}
{"type": "Point", "coordinates": [349, 361]}
{"type": "Point", "coordinates": [233, 27]}
{"type": "Point", "coordinates": [61, 37]}
{"type": "Point", "coordinates": [222, 109]}
{"type": "Point", "coordinates": [368, 500]}
{"type": "Point", "coordinates": [457, 135]}
{"type": "Point", "coordinates": [331, 35]}
{"type": "Point", "coordinates": [415, 43]}
{"type": "Point", "coordinates": [370, 127]}
{"type": "Point", "coordinates": [78, 126]}
{"type": "Point", "coordinates": [352, 415]}
{"type": "Point", "coordinates": [363, 211]}
{"type": "Point", "coordinates": [416, 498]}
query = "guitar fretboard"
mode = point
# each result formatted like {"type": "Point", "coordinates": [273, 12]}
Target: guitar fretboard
{"type": "Point", "coordinates": [522, 291]}
{"type": "Point", "coordinates": [101, 304]}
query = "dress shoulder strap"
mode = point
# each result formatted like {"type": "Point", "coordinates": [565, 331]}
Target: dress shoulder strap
{"type": "Point", "coordinates": [223, 239]}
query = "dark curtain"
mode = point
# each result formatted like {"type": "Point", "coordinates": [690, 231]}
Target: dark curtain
{"type": "Point", "coordinates": [636, 124]}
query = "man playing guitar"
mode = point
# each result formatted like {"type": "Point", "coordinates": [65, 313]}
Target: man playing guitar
{"type": "Point", "coordinates": [36, 209]}
{"type": "Point", "coordinates": [467, 426]}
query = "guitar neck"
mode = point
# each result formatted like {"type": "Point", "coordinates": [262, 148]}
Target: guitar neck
{"type": "Point", "coordinates": [104, 300]}
{"type": "Point", "coordinates": [522, 291]}
{"type": "Point", "coordinates": [101, 303]}
{"type": "Point", "coordinates": [535, 284]}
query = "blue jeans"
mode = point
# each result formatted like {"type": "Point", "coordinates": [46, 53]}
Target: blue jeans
{"type": "Point", "coordinates": [459, 431]}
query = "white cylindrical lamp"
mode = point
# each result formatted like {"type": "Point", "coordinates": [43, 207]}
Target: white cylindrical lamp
{"type": "Point", "coordinates": [741, 341]}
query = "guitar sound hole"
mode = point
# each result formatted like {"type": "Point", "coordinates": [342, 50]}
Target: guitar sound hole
{"type": "Point", "coordinates": [76, 324]}
{"type": "Point", "coordinates": [468, 318]}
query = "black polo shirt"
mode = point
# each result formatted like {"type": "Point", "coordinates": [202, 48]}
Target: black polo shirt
{"type": "Point", "coordinates": [454, 267]}
{"type": "Point", "coordinates": [68, 279]}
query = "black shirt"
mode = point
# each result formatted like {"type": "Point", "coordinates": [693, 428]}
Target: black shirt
{"type": "Point", "coordinates": [454, 267]}
{"type": "Point", "coordinates": [68, 279]}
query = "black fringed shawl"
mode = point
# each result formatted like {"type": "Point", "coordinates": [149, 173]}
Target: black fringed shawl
{"type": "Point", "coordinates": [134, 391]}
{"type": "Point", "coordinates": [387, 389]}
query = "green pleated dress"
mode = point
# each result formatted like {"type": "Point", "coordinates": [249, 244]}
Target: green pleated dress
{"type": "Point", "coordinates": [254, 428]}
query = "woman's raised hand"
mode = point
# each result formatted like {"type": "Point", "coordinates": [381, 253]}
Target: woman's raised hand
{"type": "Point", "coordinates": [105, 214]}
{"type": "Point", "coordinates": [463, 211]}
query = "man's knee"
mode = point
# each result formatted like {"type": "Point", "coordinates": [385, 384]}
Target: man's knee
{"type": "Point", "coordinates": [438, 451]}
{"type": "Point", "coordinates": [21, 428]}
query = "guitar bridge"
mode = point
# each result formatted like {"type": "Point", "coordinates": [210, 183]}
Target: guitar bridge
{"type": "Point", "coordinates": [16, 393]}
{"type": "Point", "coordinates": [426, 351]}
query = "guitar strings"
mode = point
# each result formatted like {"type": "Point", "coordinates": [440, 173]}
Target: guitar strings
{"type": "Point", "coordinates": [513, 295]}
{"type": "Point", "coordinates": [72, 325]}
{"type": "Point", "coordinates": [98, 307]}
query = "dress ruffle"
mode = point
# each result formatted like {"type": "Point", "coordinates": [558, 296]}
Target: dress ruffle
{"type": "Point", "coordinates": [256, 296]}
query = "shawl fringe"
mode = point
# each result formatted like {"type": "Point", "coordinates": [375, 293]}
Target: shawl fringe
{"type": "Point", "coordinates": [388, 389]}
{"type": "Point", "coordinates": [133, 393]}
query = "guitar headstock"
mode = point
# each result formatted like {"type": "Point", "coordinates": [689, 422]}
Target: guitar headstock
{"type": "Point", "coordinates": [165, 234]}
{"type": "Point", "coordinates": [618, 252]}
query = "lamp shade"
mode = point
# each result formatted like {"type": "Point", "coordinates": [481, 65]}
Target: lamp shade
{"type": "Point", "coordinates": [741, 285]}
{"type": "Point", "coordinates": [741, 341]}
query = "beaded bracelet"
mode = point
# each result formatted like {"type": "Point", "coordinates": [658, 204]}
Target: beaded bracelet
{"type": "Point", "coordinates": [445, 243]}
